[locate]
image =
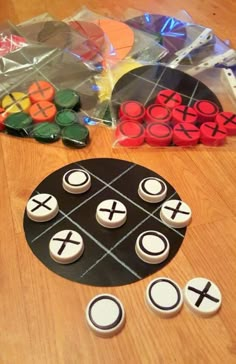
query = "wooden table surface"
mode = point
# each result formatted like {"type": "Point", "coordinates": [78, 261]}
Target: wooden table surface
{"type": "Point", "coordinates": [42, 317]}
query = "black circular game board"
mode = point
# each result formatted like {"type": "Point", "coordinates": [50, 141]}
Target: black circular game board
{"type": "Point", "coordinates": [109, 257]}
{"type": "Point", "coordinates": [143, 84]}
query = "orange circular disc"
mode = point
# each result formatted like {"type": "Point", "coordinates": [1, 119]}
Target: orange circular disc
{"type": "Point", "coordinates": [41, 91]}
{"type": "Point", "coordinates": [120, 39]}
{"type": "Point", "coordinates": [43, 111]}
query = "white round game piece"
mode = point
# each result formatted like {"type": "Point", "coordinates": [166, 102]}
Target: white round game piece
{"type": "Point", "coordinates": [66, 246]}
{"type": "Point", "coordinates": [175, 213]}
{"type": "Point", "coordinates": [105, 315]}
{"type": "Point", "coordinates": [76, 181]}
{"type": "Point", "coordinates": [202, 296]}
{"type": "Point", "coordinates": [152, 247]}
{"type": "Point", "coordinates": [111, 214]}
{"type": "Point", "coordinates": [164, 297]}
{"type": "Point", "coordinates": [42, 207]}
{"type": "Point", "coordinates": [152, 190]}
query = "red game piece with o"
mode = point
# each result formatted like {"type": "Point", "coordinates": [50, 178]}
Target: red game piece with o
{"type": "Point", "coordinates": [43, 111]}
{"type": "Point", "coordinates": [168, 98]}
{"type": "Point", "coordinates": [130, 133]}
{"type": "Point", "coordinates": [228, 121]}
{"type": "Point", "coordinates": [132, 110]}
{"type": "Point", "coordinates": [158, 134]}
{"type": "Point", "coordinates": [212, 134]}
{"type": "Point", "coordinates": [186, 134]}
{"type": "Point", "coordinates": [3, 116]}
{"type": "Point", "coordinates": [184, 114]}
{"type": "Point", "coordinates": [206, 110]}
{"type": "Point", "coordinates": [157, 113]}
{"type": "Point", "coordinates": [41, 91]}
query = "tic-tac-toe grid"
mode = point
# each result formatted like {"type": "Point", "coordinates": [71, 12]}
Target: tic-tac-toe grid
{"type": "Point", "coordinates": [144, 83]}
{"type": "Point", "coordinates": [109, 257]}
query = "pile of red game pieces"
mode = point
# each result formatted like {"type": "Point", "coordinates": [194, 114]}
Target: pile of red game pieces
{"type": "Point", "coordinates": [168, 122]}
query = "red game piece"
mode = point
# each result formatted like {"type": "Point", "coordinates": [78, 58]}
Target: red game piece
{"type": "Point", "coordinates": [11, 43]}
{"type": "Point", "coordinates": [132, 110]}
{"type": "Point", "coordinates": [186, 134]}
{"type": "Point", "coordinates": [184, 114]}
{"type": "Point", "coordinates": [158, 134]}
{"type": "Point", "coordinates": [3, 116]}
{"type": "Point", "coordinates": [130, 133]}
{"type": "Point", "coordinates": [43, 111]}
{"type": "Point", "coordinates": [168, 98]}
{"type": "Point", "coordinates": [157, 113]}
{"type": "Point", "coordinates": [206, 110]}
{"type": "Point", "coordinates": [228, 121]}
{"type": "Point", "coordinates": [212, 134]}
{"type": "Point", "coordinates": [41, 91]}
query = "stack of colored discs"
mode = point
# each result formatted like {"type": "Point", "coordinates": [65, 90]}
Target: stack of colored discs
{"type": "Point", "coordinates": [66, 118]}
{"type": "Point", "coordinates": [75, 136]}
{"type": "Point", "coordinates": [206, 110]}
{"type": "Point", "coordinates": [18, 124]}
{"type": "Point", "coordinates": [186, 134]}
{"type": "Point", "coordinates": [213, 134]}
{"type": "Point", "coordinates": [46, 132]}
{"type": "Point", "coordinates": [43, 111]}
{"type": "Point", "coordinates": [3, 116]}
{"type": "Point", "coordinates": [16, 102]}
{"type": "Point", "coordinates": [132, 110]}
{"type": "Point", "coordinates": [158, 134]}
{"type": "Point", "coordinates": [168, 98]}
{"type": "Point", "coordinates": [130, 133]}
{"type": "Point", "coordinates": [228, 121]}
{"type": "Point", "coordinates": [157, 113]}
{"type": "Point", "coordinates": [41, 91]}
{"type": "Point", "coordinates": [184, 114]}
{"type": "Point", "coordinates": [67, 99]}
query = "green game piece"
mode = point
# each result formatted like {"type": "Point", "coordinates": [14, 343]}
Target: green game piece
{"type": "Point", "coordinates": [67, 99]}
{"type": "Point", "coordinates": [75, 136]}
{"type": "Point", "coordinates": [66, 117]}
{"type": "Point", "coordinates": [46, 132]}
{"type": "Point", "coordinates": [18, 124]}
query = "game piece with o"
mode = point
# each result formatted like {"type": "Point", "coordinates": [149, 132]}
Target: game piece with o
{"type": "Point", "coordinates": [18, 124]}
{"type": "Point", "coordinates": [228, 121]}
{"type": "Point", "coordinates": [206, 110]}
{"type": "Point", "coordinates": [164, 297]}
{"type": "Point", "coordinates": [202, 296]}
{"type": "Point", "coordinates": [41, 91]}
{"type": "Point", "coordinates": [132, 110]}
{"type": "Point", "coordinates": [212, 134]}
{"type": "Point", "coordinates": [16, 102]}
{"type": "Point", "coordinates": [66, 117]}
{"type": "Point", "coordinates": [46, 132]}
{"type": "Point", "coordinates": [186, 134]}
{"type": "Point", "coordinates": [67, 99]}
{"type": "Point", "coordinates": [152, 247]}
{"type": "Point", "coordinates": [42, 207]}
{"type": "Point", "coordinates": [168, 98]}
{"type": "Point", "coordinates": [111, 214]}
{"type": "Point", "coordinates": [42, 111]}
{"type": "Point", "coordinates": [75, 136]}
{"type": "Point", "coordinates": [175, 213]}
{"type": "Point", "coordinates": [152, 190]}
{"type": "Point", "coordinates": [157, 113]}
{"type": "Point", "coordinates": [105, 315]}
{"type": "Point", "coordinates": [66, 246]}
{"type": "Point", "coordinates": [158, 134]}
{"type": "Point", "coordinates": [184, 114]}
{"type": "Point", "coordinates": [3, 116]}
{"type": "Point", "coordinates": [76, 181]}
{"type": "Point", "coordinates": [130, 133]}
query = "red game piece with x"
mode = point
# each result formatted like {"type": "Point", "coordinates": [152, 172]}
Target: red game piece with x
{"type": "Point", "coordinates": [206, 110]}
{"type": "Point", "coordinates": [228, 121]}
{"type": "Point", "coordinates": [157, 113]}
{"type": "Point", "coordinates": [212, 134]}
{"type": "Point", "coordinates": [184, 114]}
{"type": "Point", "coordinates": [41, 91]}
{"type": "Point", "coordinates": [3, 116]}
{"type": "Point", "coordinates": [130, 133]}
{"type": "Point", "coordinates": [168, 98]}
{"type": "Point", "coordinates": [186, 134]}
{"type": "Point", "coordinates": [43, 111]}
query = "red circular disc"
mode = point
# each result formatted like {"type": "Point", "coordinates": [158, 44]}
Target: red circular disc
{"type": "Point", "coordinates": [132, 110]}
{"type": "Point", "coordinates": [184, 114]}
{"type": "Point", "coordinates": [228, 120]}
{"type": "Point", "coordinates": [186, 134]}
{"type": "Point", "coordinates": [158, 134]}
{"type": "Point", "coordinates": [168, 98]}
{"type": "Point", "coordinates": [11, 43]}
{"type": "Point", "coordinates": [3, 116]}
{"type": "Point", "coordinates": [130, 133]}
{"type": "Point", "coordinates": [43, 111]}
{"type": "Point", "coordinates": [41, 91]}
{"type": "Point", "coordinates": [206, 110]}
{"type": "Point", "coordinates": [212, 134]}
{"type": "Point", "coordinates": [157, 113]}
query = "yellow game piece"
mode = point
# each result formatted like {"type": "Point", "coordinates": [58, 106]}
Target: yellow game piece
{"type": "Point", "coordinates": [16, 102]}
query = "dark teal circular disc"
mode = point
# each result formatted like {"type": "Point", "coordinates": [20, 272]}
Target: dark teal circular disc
{"type": "Point", "coordinates": [18, 124]}
{"type": "Point", "coordinates": [67, 99]}
{"type": "Point", "coordinates": [66, 117]}
{"type": "Point", "coordinates": [75, 136]}
{"type": "Point", "coordinates": [46, 132]}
